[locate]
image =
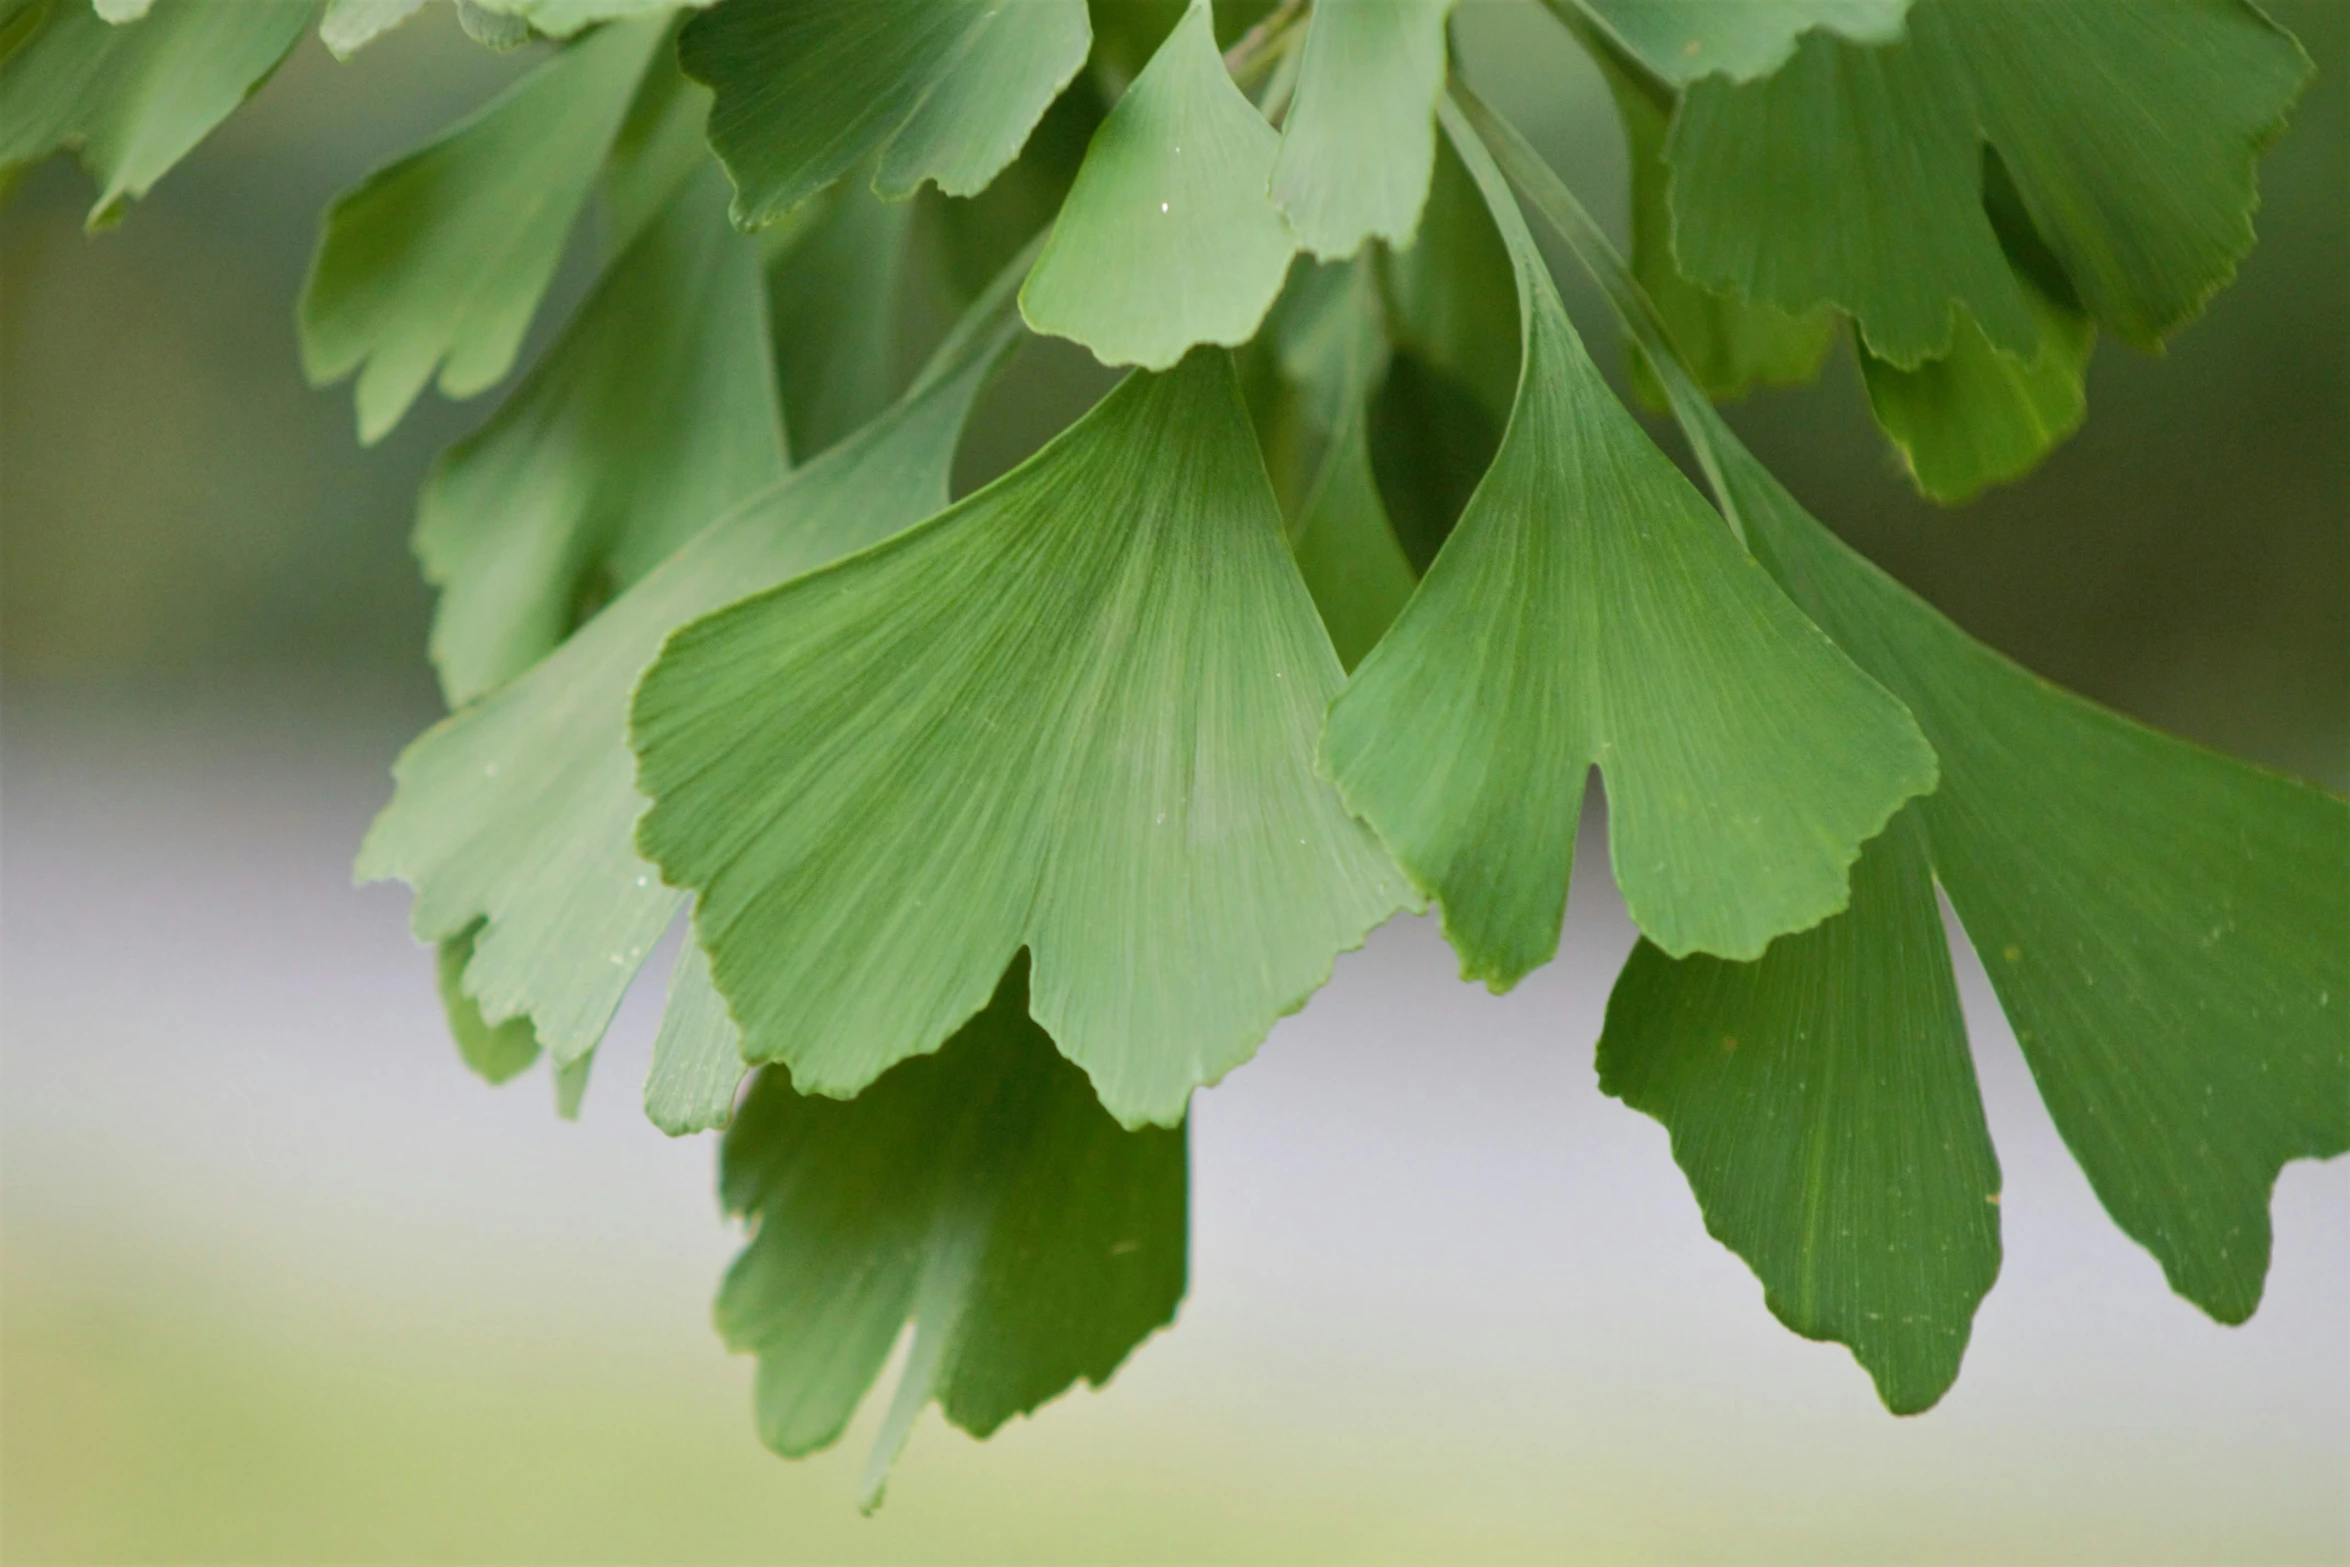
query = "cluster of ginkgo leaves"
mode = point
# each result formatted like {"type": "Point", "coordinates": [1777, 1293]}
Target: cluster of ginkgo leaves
{"type": "Point", "coordinates": [1006, 821]}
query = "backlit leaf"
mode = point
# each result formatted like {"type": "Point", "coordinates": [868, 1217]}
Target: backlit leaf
{"type": "Point", "coordinates": [1682, 40]}
{"type": "Point", "coordinates": [1854, 175]}
{"type": "Point", "coordinates": [1360, 138]}
{"type": "Point", "coordinates": [438, 261]}
{"type": "Point", "coordinates": [1168, 238]}
{"type": "Point", "coordinates": [350, 25]}
{"type": "Point", "coordinates": [1074, 713]}
{"type": "Point", "coordinates": [517, 811]}
{"type": "Point", "coordinates": [934, 90]}
{"type": "Point", "coordinates": [980, 1193]}
{"type": "Point", "coordinates": [1591, 610]}
{"type": "Point", "coordinates": [133, 98]}
{"type": "Point", "coordinates": [653, 413]}
{"type": "Point", "coordinates": [1823, 1105]}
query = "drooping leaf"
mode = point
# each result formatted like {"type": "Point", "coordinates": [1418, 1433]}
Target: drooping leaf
{"type": "Point", "coordinates": [562, 18]}
{"type": "Point", "coordinates": [834, 272]}
{"type": "Point", "coordinates": [1359, 142]}
{"type": "Point", "coordinates": [351, 25]}
{"type": "Point", "coordinates": [1731, 344]}
{"type": "Point", "coordinates": [495, 30]}
{"type": "Point", "coordinates": [658, 147]}
{"type": "Point", "coordinates": [697, 1054]}
{"type": "Point", "coordinates": [518, 810]}
{"type": "Point", "coordinates": [1824, 1107]}
{"type": "Point", "coordinates": [1980, 416]}
{"type": "Point", "coordinates": [1074, 713]}
{"type": "Point", "coordinates": [1679, 41]}
{"type": "Point", "coordinates": [1452, 296]}
{"type": "Point", "coordinates": [136, 96]}
{"type": "Point", "coordinates": [1854, 175]}
{"type": "Point", "coordinates": [654, 413]}
{"type": "Point", "coordinates": [497, 1052]}
{"type": "Point", "coordinates": [2165, 928]}
{"type": "Point", "coordinates": [1591, 610]}
{"type": "Point", "coordinates": [1168, 238]}
{"type": "Point", "coordinates": [980, 1193]}
{"type": "Point", "coordinates": [943, 91]}
{"type": "Point", "coordinates": [438, 261]}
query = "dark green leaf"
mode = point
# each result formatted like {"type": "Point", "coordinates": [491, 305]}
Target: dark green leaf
{"type": "Point", "coordinates": [1591, 610]}
{"type": "Point", "coordinates": [933, 90]}
{"type": "Point", "coordinates": [834, 272]}
{"type": "Point", "coordinates": [653, 413]}
{"type": "Point", "coordinates": [1824, 1107]}
{"type": "Point", "coordinates": [1074, 713]}
{"type": "Point", "coordinates": [980, 1193]}
{"type": "Point", "coordinates": [438, 261]}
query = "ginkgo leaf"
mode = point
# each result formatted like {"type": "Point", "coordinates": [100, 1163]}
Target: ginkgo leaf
{"type": "Point", "coordinates": [1591, 610]}
{"type": "Point", "coordinates": [1730, 344]}
{"type": "Point", "coordinates": [653, 413]}
{"type": "Point", "coordinates": [697, 1054]}
{"type": "Point", "coordinates": [1075, 713]}
{"type": "Point", "coordinates": [981, 1194]}
{"type": "Point", "coordinates": [119, 11]}
{"type": "Point", "coordinates": [658, 147]}
{"type": "Point", "coordinates": [1168, 238]}
{"type": "Point", "coordinates": [134, 97]}
{"type": "Point", "coordinates": [835, 270]}
{"type": "Point", "coordinates": [351, 25]}
{"type": "Point", "coordinates": [2164, 927]}
{"type": "Point", "coordinates": [1681, 40]}
{"type": "Point", "coordinates": [1854, 175]}
{"type": "Point", "coordinates": [1359, 142]}
{"type": "Point", "coordinates": [943, 91]}
{"type": "Point", "coordinates": [438, 261]}
{"type": "Point", "coordinates": [497, 1052]}
{"type": "Point", "coordinates": [1824, 1107]}
{"type": "Point", "coordinates": [562, 18]}
{"type": "Point", "coordinates": [1980, 416]}
{"type": "Point", "coordinates": [496, 30]}
{"type": "Point", "coordinates": [517, 811]}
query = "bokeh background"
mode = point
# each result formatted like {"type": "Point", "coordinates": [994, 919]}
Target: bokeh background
{"type": "Point", "coordinates": [280, 1282]}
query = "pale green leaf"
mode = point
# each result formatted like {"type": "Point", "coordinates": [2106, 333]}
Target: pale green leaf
{"type": "Point", "coordinates": [1731, 344]}
{"type": "Point", "coordinates": [1074, 713]}
{"type": "Point", "coordinates": [438, 261]}
{"type": "Point", "coordinates": [518, 810]}
{"type": "Point", "coordinates": [120, 11]}
{"type": "Point", "coordinates": [351, 25]}
{"type": "Point", "coordinates": [933, 90]}
{"type": "Point", "coordinates": [1591, 610]}
{"type": "Point", "coordinates": [652, 414]}
{"type": "Point", "coordinates": [496, 30]}
{"type": "Point", "coordinates": [981, 1194]}
{"type": "Point", "coordinates": [697, 1054]}
{"type": "Point", "coordinates": [562, 18]}
{"type": "Point", "coordinates": [1824, 1106]}
{"type": "Point", "coordinates": [1679, 41]}
{"type": "Point", "coordinates": [1980, 416]}
{"type": "Point", "coordinates": [1168, 238]}
{"type": "Point", "coordinates": [1854, 176]}
{"type": "Point", "coordinates": [2167, 929]}
{"type": "Point", "coordinates": [1359, 142]}
{"type": "Point", "coordinates": [136, 97]}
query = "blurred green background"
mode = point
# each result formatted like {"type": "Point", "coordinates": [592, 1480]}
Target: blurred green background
{"type": "Point", "coordinates": [278, 1282]}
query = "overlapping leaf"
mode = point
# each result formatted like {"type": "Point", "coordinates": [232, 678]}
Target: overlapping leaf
{"type": "Point", "coordinates": [1360, 139]}
{"type": "Point", "coordinates": [439, 260]}
{"type": "Point", "coordinates": [1679, 41]}
{"type": "Point", "coordinates": [133, 97]}
{"type": "Point", "coordinates": [1591, 610]}
{"type": "Point", "coordinates": [517, 812]}
{"type": "Point", "coordinates": [1854, 174]}
{"type": "Point", "coordinates": [980, 1193]}
{"type": "Point", "coordinates": [1168, 238]}
{"type": "Point", "coordinates": [653, 414]}
{"type": "Point", "coordinates": [499, 1052]}
{"type": "Point", "coordinates": [562, 18]}
{"type": "Point", "coordinates": [351, 25]}
{"type": "Point", "coordinates": [2165, 928]}
{"type": "Point", "coordinates": [1074, 713]}
{"type": "Point", "coordinates": [834, 273]}
{"type": "Point", "coordinates": [943, 91]}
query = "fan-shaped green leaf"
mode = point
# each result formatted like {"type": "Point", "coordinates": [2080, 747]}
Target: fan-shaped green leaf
{"type": "Point", "coordinates": [1168, 238]}
{"type": "Point", "coordinates": [134, 97]}
{"type": "Point", "coordinates": [1823, 1104]}
{"type": "Point", "coordinates": [438, 261]}
{"type": "Point", "coordinates": [1360, 139]}
{"type": "Point", "coordinates": [980, 1193]}
{"type": "Point", "coordinates": [654, 413]}
{"type": "Point", "coordinates": [1591, 610]}
{"type": "Point", "coordinates": [936, 90]}
{"type": "Point", "coordinates": [1074, 713]}
{"type": "Point", "coordinates": [518, 810]}
{"type": "Point", "coordinates": [1682, 40]}
{"type": "Point", "coordinates": [1855, 174]}
{"type": "Point", "coordinates": [2166, 928]}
